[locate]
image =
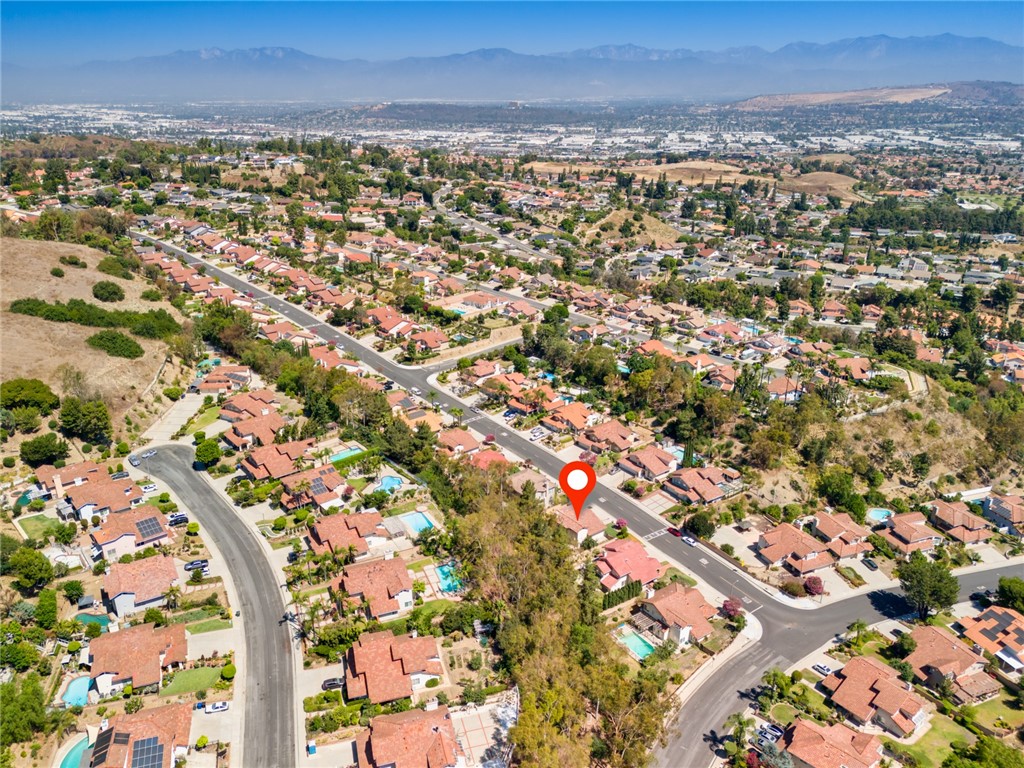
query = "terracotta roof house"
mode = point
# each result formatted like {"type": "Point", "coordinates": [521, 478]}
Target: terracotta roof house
{"type": "Point", "coordinates": [138, 585]}
{"type": "Point", "coordinates": [136, 656]}
{"type": "Point", "coordinates": [486, 459]}
{"type": "Point", "coordinates": [457, 442]}
{"type": "Point", "coordinates": [656, 347]}
{"type": "Point", "coordinates": [125, 533]}
{"type": "Point", "coordinates": [248, 405]}
{"type": "Point", "coordinates": [102, 497]}
{"type": "Point", "coordinates": [871, 692]}
{"type": "Point", "coordinates": [482, 370]}
{"type": "Point", "coordinates": [910, 532]}
{"type": "Point", "coordinates": [855, 368]}
{"type": "Point", "coordinates": [251, 433]}
{"type": "Point", "coordinates": [785, 389]}
{"type": "Point", "coordinates": [1006, 512]}
{"type": "Point", "coordinates": [703, 485]}
{"type": "Point", "coordinates": [57, 481]}
{"type": "Point", "coordinates": [429, 341]}
{"type": "Point", "coordinates": [588, 524]}
{"type": "Point", "coordinates": [650, 463]}
{"type": "Point", "coordinates": [830, 746]}
{"type": "Point", "coordinates": [940, 655]}
{"type": "Point", "coordinates": [833, 310]}
{"type": "Point", "coordinates": [681, 613]}
{"type": "Point", "coordinates": [413, 739]}
{"type": "Point", "coordinates": [955, 520]}
{"type": "Point", "coordinates": [276, 460]}
{"type": "Point", "coordinates": [722, 378]}
{"type": "Point", "coordinates": [626, 560]}
{"type": "Point", "coordinates": [843, 535]}
{"type": "Point", "coordinates": [383, 586]}
{"type": "Point", "coordinates": [382, 667]}
{"type": "Point", "coordinates": [154, 738]}
{"type": "Point", "coordinates": [787, 545]}
{"type": "Point", "coordinates": [1000, 631]}
{"type": "Point", "coordinates": [611, 435]}
{"type": "Point", "coordinates": [336, 533]}
{"type": "Point", "coordinates": [543, 487]}
{"type": "Point", "coordinates": [320, 487]}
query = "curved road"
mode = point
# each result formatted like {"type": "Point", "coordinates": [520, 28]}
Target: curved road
{"type": "Point", "coordinates": [789, 633]}
{"type": "Point", "coordinates": [268, 726]}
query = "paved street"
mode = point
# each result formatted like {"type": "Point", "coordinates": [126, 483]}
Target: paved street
{"type": "Point", "coordinates": [789, 632]}
{"type": "Point", "coordinates": [269, 739]}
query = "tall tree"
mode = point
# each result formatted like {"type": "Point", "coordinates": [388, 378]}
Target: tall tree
{"type": "Point", "coordinates": [927, 584]}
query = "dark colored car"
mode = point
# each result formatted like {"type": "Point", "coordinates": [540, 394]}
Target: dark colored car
{"type": "Point", "coordinates": [196, 564]}
{"type": "Point", "coordinates": [870, 564]}
{"type": "Point", "coordinates": [332, 684]}
{"type": "Point", "coordinates": [177, 519]}
{"type": "Point", "coordinates": [134, 461]}
{"type": "Point", "coordinates": [119, 476]}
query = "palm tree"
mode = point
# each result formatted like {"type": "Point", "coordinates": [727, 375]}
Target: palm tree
{"type": "Point", "coordinates": [858, 627]}
{"type": "Point", "coordinates": [457, 413]}
{"type": "Point", "coordinates": [739, 724]}
{"type": "Point", "coordinates": [171, 596]}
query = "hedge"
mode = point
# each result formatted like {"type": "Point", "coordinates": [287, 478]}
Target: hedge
{"type": "Point", "coordinates": [626, 592]}
{"type": "Point", "coordinates": [116, 344]}
{"type": "Point", "coordinates": [153, 324]}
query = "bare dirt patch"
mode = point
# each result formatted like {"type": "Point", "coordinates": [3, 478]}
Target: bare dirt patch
{"type": "Point", "coordinates": [822, 183]}
{"type": "Point", "coordinates": [867, 96]}
{"type": "Point", "coordinates": [831, 157]}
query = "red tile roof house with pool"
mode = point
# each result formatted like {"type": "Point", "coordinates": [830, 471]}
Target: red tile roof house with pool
{"type": "Point", "coordinates": [626, 560]}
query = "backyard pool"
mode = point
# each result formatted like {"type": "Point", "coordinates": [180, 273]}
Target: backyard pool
{"type": "Point", "coordinates": [622, 368]}
{"type": "Point", "coordinates": [459, 311]}
{"type": "Point", "coordinates": [638, 646]}
{"type": "Point", "coordinates": [389, 483]}
{"type": "Point", "coordinates": [73, 759]}
{"type": "Point", "coordinates": [794, 340]}
{"type": "Point", "coordinates": [345, 454]}
{"type": "Point", "coordinates": [449, 581]}
{"type": "Point", "coordinates": [416, 521]}
{"type": "Point", "coordinates": [879, 515]}
{"type": "Point", "coordinates": [77, 693]}
{"type": "Point", "coordinates": [94, 618]}
{"type": "Point", "coordinates": [679, 453]}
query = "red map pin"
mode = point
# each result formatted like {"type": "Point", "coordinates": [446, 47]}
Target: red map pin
{"type": "Point", "coordinates": [577, 479]}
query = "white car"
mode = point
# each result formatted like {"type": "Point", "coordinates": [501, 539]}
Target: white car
{"type": "Point", "coordinates": [217, 706]}
{"type": "Point", "coordinates": [149, 488]}
{"type": "Point", "coordinates": [415, 390]}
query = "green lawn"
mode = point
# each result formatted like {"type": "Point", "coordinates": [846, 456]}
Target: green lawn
{"type": "Point", "coordinates": [674, 574]}
{"type": "Point", "coordinates": [934, 746]}
{"type": "Point", "coordinates": [1002, 706]}
{"type": "Point", "coordinates": [210, 625]}
{"type": "Point", "coordinates": [282, 543]}
{"type": "Point", "coordinates": [420, 564]}
{"type": "Point", "coordinates": [203, 420]}
{"type": "Point", "coordinates": [358, 483]}
{"type": "Point", "coordinates": [401, 509]}
{"type": "Point", "coordinates": [196, 614]}
{"type": "Point", "coordinates": [431, 609]}
{"type": "Point", "coordinates": [38, 526]}
{"type": "Point", "coordinates": [783, 714]}
{"type": "Point", "coordinates": [815, 701]}
{"type": "Point", "coordinates": [191, 680]}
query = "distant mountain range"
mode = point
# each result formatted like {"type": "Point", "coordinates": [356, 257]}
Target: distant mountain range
{"type": "Point", "coordinates": [605, 73]}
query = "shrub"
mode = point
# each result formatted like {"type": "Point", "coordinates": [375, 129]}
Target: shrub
{"type": "Point", "coordinates": [9, 462]}
{"type": "Point", "coordinates": [201, 742]}
{"type": "Point", "coordinates": [173, 393]}
{"type": "Point", "coordinates": [105, 290]}
{"type": "Point", "coordinates": [192, 529]}
{"type": "Point", "coordinates": [151, 294]}
{"type": "Point", "coordinates": [433, 682]}
{"type": "Point", "coordinates": [794, 589]}
{"type": "Point", "coordinates": [46, 609]}
{"type": "Point", "coordinates": [208, 452]}
{"type": "Point", "coordinates": [57, 272]}
{"type": "Point", "coordinates": [123, 449]}
{"type": "Point", "coordinates": [228, 672]}
{"type": "Point", "coordinates": [31, 393]}
{"type": "Point", "coordinates": [729, 549]}
{"type": "Point", "coordinates": [116, 344]}
{"type": "Point", "coordinates": [74, 646]}
{"type": "Point", "coordinates": [280, 523]}
{"type": "Point", "coordinates": [116, 266]}
{"type": "Point", "coordinates": [814, 585]}
{"type": "Point", "coordinates": [133, 705]}
{"type": "Point", "coordinates": [732, 607]}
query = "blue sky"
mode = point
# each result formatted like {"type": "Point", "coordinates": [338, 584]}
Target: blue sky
{"type": "Point", "coordinates": [41, 33]}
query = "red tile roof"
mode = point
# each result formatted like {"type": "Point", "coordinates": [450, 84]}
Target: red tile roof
{"type": "Point", "coordinates": [139, 654]}
{"type": "Point", "coordinates": [147, 579]}
{"type": "Point", "coordinates": [379, 666]}
{"type": "Point", "coordinates": [413, 739]}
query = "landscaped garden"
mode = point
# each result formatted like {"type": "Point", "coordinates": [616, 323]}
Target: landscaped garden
{"type": "Point", "coordinates": [39, 527]}
{"type": "Point", "coordinates": [931, 749]}
{"type": "Point", "coordinates": [192, 680]}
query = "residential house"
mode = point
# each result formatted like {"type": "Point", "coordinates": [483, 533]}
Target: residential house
{"type": "Point", "coordinates": [610, 435]}
{"type": "Point", "coordinates": [722, 378]}
{"type": "Point", "coordinates": [788, 546]}
{"type": "Point", "coordinates": [586, 525]}
{"type": "Point", "coordinates": [104, 496]}
{"type": "Point", "coordinates": [154, 738]}
{"type": "Point", "coordinates": [138, 585]}
{"type": "Point", "coordinates": [348, 534]}
{"type": "Point", "coordinates": [572, 417]}
{"type": "Point", "coordinates": [484, 369]}
{"type": "Point", "coordinates": [276, 460]}
{"type": "Point", "coordinates": [955, 520]}
{"type": "Point", "coordinates": [703, 485]}
{"type": "Point", "coordinates": [126, 533]}
{"type": "Point", "coordinates": [320, 487]}
{"type": "Point", "coordinates": [785, 389]}
{"type": "Point", "coordinates": [254, 432]}
{"type": "Point", "coordinates": [1006, 513]}
{"type": "Point", "coordinates": [939, 655]}
{"type": "Point", "coordinates": [429, 341]}
{"type": "Point", "coordinates": [872, 693]}
{"type": "Point", "coordinates": [520, 310]}
{"type": "Point", "coordinates": [1000, 631]}
{"type": "Point", "coordinates": [650, 463]}
{"type": "Point", "coordinates": [626, 560]}
{"type": "Point", "coordinates": [383, 667]}
{"type": "Point", "coordinates": [55, 482]}
{"type": "Point", "coordinates": [543, 488]}
{"type": "Point", "coordinates": [854, 368]}
{"type": "Point", "coordinates": [811, 745]}
{"type": "Point", "coordinates": [137, 656]}
{"type": "Point", "coordinates": [833, 310]}
{"type": "Point", "coordinates": [910, 532]}
{"type": "Point", "coordinates": [382, 587]}
{"type": "Point", "coordinates": [248, 405]}
{"type": "Point", "coordinates": [490, 458]}
{"type": "Point", "coordinates": [414, 739]}
{"type": "Point", "coordinates": [843, 535]}
{"type": "Point", "coordinates": [457, 442]}
{"type": "Point", "coordinates": [679, 614]}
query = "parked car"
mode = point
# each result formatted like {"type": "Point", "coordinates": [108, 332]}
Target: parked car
{"type": "Point", "coordinates": [898, 633]}
{"type": "Point", "coordinates": [415, 390]}
{"type": "Point", "coordinates": [474, 409]}
{"type": "Point", "coordinates": [134, 461]}
{"type": "Point", "coordinates": [178, 518]}
{"type": "Point", "coordinates": [870, 564]}
{"type": "Point", "coordinates": [149, 454]}
{"type": "Point", "coordinates": [332, 683]}
{"type": "Point", "coordinates": [217, 706]}
{"type": "Point", "coordinates": [149, 488]}
{"type": "Point", "coordinates": [675, 532]}
{"type": "Point", "coordinates": [690, 540]}
{"type": "Point", "coordinates": [119, 476]}
{"type": "Point", "coordinates": [822, 670]}
{"type": "Point", "coordinates": [773, 729]}
{"type": "Point", "coordinates": [200, 705]}
{"type": "Point", "coordinates": [194, 564]}
{"type": "Point", "coordinates": [293, 556]}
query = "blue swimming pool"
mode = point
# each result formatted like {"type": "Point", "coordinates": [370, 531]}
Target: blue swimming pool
{"type": "Point", "coordinates": [345, 454]}
{"type": "Point", "coordinates": [459, 311]}
{"type": "Point", "coordinates": [639, 646]}
{"type": "Point", "coordinates": [73, 759]}
{"type": "Point", "coordinates": [417, 521]}
{"type": "Point", "coordinates": [794, 340]}
{"type": "Point", "coordinates": [389, 483]}
{"type": "Point", "coordinates": [622, 368]}
{"type": "Point", "coordinates": [679, 453]}
{"type": "Point", "coordinates": [449, 581]}
{"type": "Point", "coordinates": [92, 618]}
{"type": "Point", "coordinates": [879, 515]}
{"type": "Point", "coordinates": [77, 693]}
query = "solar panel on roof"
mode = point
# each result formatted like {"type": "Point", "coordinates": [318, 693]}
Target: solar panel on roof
{"type": "Point", "coordinates": [148, 528]}
{"type": "Point", "coordinates": [147, 753]}
{"type": "Point", "coordinates": [318, 487]}
{"type": "Point", "coordinates": [122, 738]}
{"type": "Point", "coordinates": [99, 751]}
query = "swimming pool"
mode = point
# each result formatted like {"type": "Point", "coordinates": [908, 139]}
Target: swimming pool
{"type": "Point", "coordinates": [637, 645]}
{"type": "Point", "coordinates": [389, 483]}
{"type": "Point", "coordinates": [459, 311]}
{"type": "Point", "coordinates": [679, 453]}
{"type": "Point", "coordinates": [417, 521]}
{"type": "Point", "coordinates": [345, 454]}
{"type": "Point", "coordinates": [879, 515]}
{"type": "Point", "coordinates": [794, 340]}
{"type": "Point", "coordinates": [449, 581]}
{"type": "Point", "coordinates": [73, 759]}
{"type": "Point", "coordinates": [77, 693]}
{"type": "Point", "coordinates": [93, 618]}
{"type": "Point", "coordinates": [622, 368]}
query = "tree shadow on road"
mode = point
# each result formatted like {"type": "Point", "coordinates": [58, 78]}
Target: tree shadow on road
{"type": "Point", "coordinates": [890, 604]}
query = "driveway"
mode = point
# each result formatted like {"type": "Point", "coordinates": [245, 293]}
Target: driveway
{"type": "Point", "coordinates": [175, 418]}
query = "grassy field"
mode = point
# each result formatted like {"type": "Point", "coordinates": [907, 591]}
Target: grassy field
{"type": "Point", "coordinates": [783, 714]}
{"type": "Point", "coordinates": [38, 526]}
{"type": "Point", "coordinates": [203, 421]}
{"type": "Point", "coordinates": [674, 574]}
{"type": "Point", "coordinates": [191, 680]}
{"type": "Point", "coordinates": [934, 746]}
{"type": "Point", "coordinates": [210, 625]}
{"type": "Point", "coordinates": [1002, 706]}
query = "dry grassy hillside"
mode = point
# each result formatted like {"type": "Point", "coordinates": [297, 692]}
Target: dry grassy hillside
{"type": "Point", "coordinates": [655, 231]}
{"type": "Point", "coordinates": [867, 96]}
{"type": "Point", "coordinates": [34, 348]}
